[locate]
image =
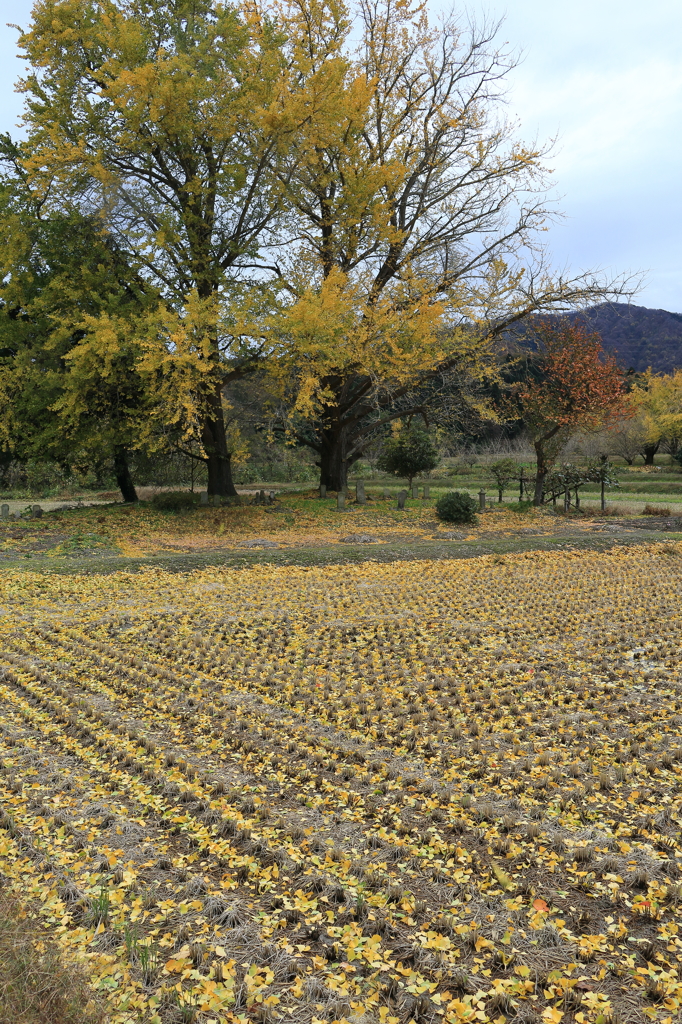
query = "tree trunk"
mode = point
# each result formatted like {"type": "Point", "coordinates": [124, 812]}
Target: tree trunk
{"type": "Point", "coordinates": [648, 451]}
{"type": "Point", "coordinates": [333, 459]}
{"type": "Point", "coordinates": [541, 473]}
{"type": "Point", "coordinates": [123, 477]}
{"type": "Point", "coordinates": [218, 458]}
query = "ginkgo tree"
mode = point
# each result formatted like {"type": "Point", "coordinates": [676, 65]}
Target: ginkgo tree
{"type": "Point", "coordinates": [658, 400]}
{"type": "Point", "coordinates": [411, 243]}
{"type": "Point", "coordinates": [164, 120]}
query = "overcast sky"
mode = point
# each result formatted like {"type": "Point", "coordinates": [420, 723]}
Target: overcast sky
{"type": "Point", "coordinates": [605, 77]}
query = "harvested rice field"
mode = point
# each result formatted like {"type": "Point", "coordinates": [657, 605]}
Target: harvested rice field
{"type": "Point", "coordinates": [424, 791]}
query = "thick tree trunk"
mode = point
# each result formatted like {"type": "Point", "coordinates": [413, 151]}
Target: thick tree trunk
{"type": "Point", "coordinates": [333, 459]}
{"type": "Point", "coordinates": [648, 451]}
{"type": "Point", "coordinates": [218, 458]}
{"type": "Point", "coordinates": [123, 477]}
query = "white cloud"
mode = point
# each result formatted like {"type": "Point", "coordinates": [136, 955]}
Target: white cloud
{"type": "Point", "coordinates": [605, 79]}
{"type": "Point", "coordinates": [605, 119]}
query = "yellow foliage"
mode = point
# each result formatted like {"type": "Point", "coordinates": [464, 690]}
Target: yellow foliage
{"type": "Point", "coordinates": [658, 400]}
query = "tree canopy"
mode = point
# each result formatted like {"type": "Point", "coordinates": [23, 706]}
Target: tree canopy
{"type": "Point", "coordinates": [414, 223]}
{"type": "Point", "coordinates": [162, 122]}
{"type": "Point", "coordinates": [657, 399]}
{"type": "Point", "coordinates": [571, 385]}
{"type": "Point", "coordinates": [64, 397]}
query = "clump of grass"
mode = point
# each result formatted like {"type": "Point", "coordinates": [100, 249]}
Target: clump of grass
{"type": "Point", "coordinates": [36, 986]}
{"type": "Point", "coordinates": [656, 510]}
{"type": "Point", "coordinates": [520, 506]}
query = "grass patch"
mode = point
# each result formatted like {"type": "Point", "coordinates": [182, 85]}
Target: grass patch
{"type": "Point", "coordinates": [36, 986]}
{"type": "Point", "coordinates": [520, 506]}
{"type": "Point", "coordinates": [645, 487]}
{"type": "Point", "coordinates": [347, 554]}
{"type": "Point", "coordinates": [656, 510]}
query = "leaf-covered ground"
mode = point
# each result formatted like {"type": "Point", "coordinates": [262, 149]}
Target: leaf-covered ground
{"type": "Point", "coordinates": [295, 528]}
{"type": "Point", "coordinates": [294, 521]}
{"type": "Point", "coordinates": [429, 791]}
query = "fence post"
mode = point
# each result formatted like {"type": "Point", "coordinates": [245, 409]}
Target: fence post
{"type": "Point", "coordinates": [481, 500]}
{"type": "Point", "coordinates": [522, 481]}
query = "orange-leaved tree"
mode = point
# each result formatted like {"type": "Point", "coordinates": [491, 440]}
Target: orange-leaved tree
{"type": "Point", "coordinates": [570, 384]}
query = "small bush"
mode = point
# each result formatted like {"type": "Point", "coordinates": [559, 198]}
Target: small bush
{"type": "Point", "coordinates": [456, 507]}
{"type": "Point", "coordinates": [408, 453]}
{"type": "Point", "coordinates": [174, 501]}
{"type": "Point", "coordinates": [656, 510]}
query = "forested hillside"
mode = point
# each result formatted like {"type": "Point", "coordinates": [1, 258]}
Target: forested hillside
{"type": "Point", "coordinates": [638, 336]}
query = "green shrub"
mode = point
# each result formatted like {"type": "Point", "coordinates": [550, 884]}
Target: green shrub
{"type": "Point", "coordinates": [456, 507]}
{"type": "Point", "coordinates": [174, 501]}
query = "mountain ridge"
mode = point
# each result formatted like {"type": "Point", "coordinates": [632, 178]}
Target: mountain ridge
{"type": "Point", "coordinates": [639, 337]}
